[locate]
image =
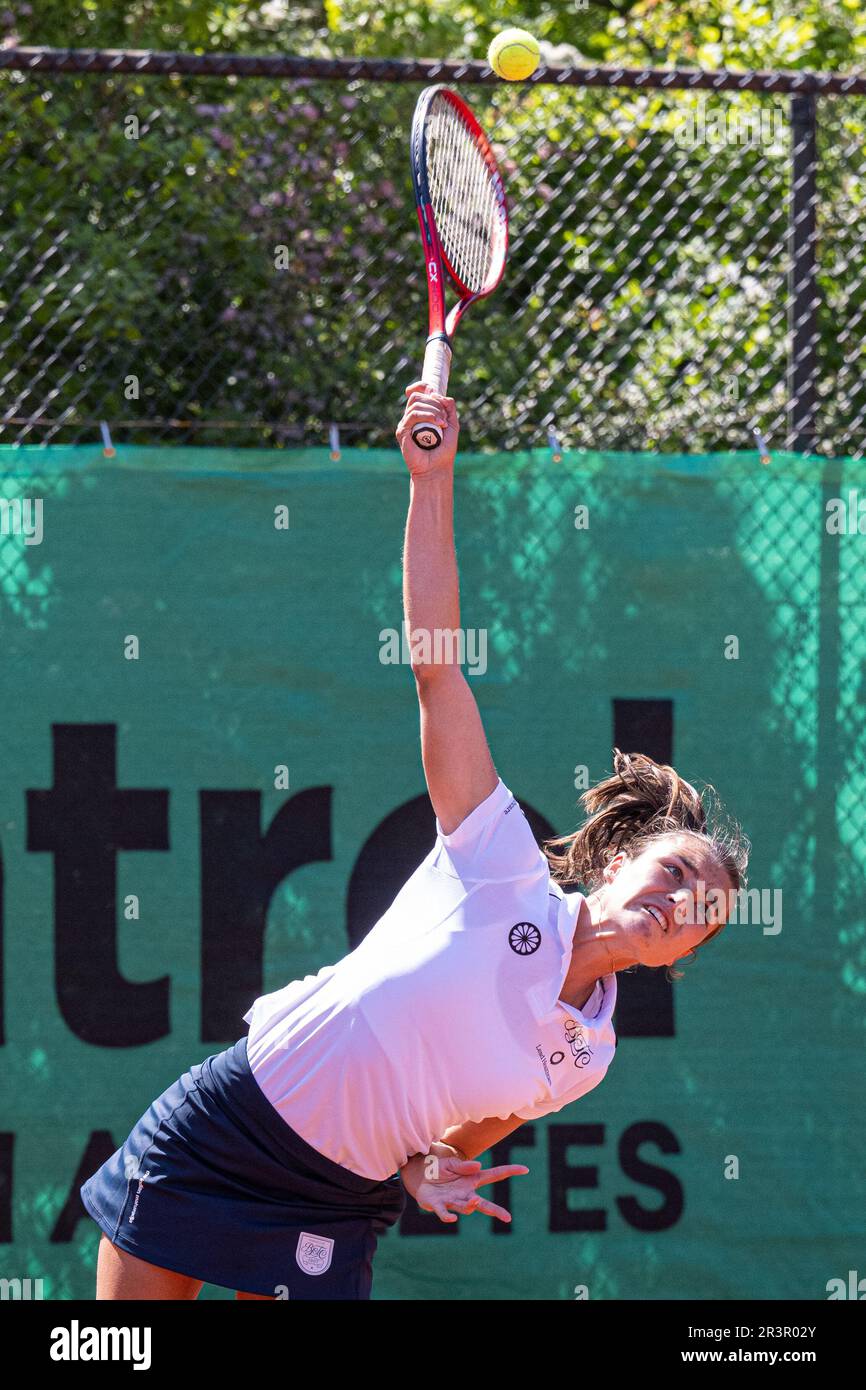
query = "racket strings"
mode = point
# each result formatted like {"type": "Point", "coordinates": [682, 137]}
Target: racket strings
{"type": "Point", "coordinates": [463, 190]}
{"type": "Point", "coordinates": [467, 223]}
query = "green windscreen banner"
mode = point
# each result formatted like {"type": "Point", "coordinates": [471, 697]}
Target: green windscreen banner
{"type": "Point", "coordinates": [212, 785]}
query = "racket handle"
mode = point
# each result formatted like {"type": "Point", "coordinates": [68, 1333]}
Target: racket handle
{"type": "Point", "coordinates": [437, 366]}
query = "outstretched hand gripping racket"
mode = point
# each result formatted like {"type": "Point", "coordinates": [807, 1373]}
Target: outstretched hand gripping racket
{"type": "Point", "coordinates": [460, 198]}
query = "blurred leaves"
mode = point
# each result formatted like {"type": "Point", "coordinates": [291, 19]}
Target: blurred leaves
{"type": "Point", "coordinates": [251, 256]}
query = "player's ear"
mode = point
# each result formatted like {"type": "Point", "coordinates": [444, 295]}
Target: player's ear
{"type": "Point", "coordinates": [613, 866]}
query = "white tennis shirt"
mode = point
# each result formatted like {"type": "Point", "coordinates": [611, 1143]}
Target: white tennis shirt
{"type": "Point", "coordinates": [447, 1011]}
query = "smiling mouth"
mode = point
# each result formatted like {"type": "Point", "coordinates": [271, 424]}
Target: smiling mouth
{"type": "Point", "coordinates": [657, 915]}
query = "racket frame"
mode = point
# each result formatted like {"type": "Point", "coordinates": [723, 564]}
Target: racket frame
{"type": "Point", "coordinates": [442, 325]}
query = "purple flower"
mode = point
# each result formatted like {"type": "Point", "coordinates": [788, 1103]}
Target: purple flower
{"type": "Point", "coordinates": [221, 138]}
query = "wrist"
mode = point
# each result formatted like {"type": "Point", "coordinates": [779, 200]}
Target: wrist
{"type": "Point", "coordinates": [417, 1163]}
{"type": "Point", "coordinates": [443, 1148]}
{"type": "Point", "coordinates": [440, 475]}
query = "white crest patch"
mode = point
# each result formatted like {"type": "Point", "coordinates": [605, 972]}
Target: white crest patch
{"type": "Point", "coordinates": [314, 1253]}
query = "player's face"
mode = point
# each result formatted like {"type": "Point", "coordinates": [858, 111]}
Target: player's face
{"type": "Point", "coordinates": [666, 900]}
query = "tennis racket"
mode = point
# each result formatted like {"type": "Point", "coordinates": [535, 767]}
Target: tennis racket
{"type": "Point", "coordinates": [463, 217]}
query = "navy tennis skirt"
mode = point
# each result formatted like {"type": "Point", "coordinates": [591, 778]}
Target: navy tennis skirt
{"type": "Point", "coordinates": [213, 1183]}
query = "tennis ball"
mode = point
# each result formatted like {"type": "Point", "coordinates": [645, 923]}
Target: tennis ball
{"type": "Point", "coordinates": [514, 54]}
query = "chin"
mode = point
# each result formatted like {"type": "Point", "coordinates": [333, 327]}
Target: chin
{"type": "Point", "coordinates": [646, 930]}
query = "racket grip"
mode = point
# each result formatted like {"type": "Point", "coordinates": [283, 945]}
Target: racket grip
{"type": "Point", "coordinates": [435, 372]}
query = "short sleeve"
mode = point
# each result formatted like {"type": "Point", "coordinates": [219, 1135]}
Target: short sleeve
{"type": "Point", "coordinates": [592, 1007]}
{"type": "Point", "coordinates": [493, 843]}
{"type": "Point", "coordinates": [556, 1103]}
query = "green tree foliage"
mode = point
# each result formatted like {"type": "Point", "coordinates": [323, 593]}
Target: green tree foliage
{"type": "Point", "coordinates": [699, 33]}
{"type": "Point", "coordinates": [249, 255]}
{"type": "Point", "coordinates": [189, 26]}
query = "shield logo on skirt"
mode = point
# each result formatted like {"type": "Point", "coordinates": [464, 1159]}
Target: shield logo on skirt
{"type": "Point", "coordinates": [314, 1253]}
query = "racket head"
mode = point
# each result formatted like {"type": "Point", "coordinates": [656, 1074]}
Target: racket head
{"type": "Point", "coordinates": [460, 196]}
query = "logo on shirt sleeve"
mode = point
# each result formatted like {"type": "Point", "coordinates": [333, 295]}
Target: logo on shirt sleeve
{"type": "Point", "coordinates": [540, 1050]}
{"type": "Point", "coordinates": [576, 1039]}
{"type": "Point", "coordinates": [524, 938]}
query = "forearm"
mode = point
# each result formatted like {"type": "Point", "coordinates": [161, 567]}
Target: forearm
{"type": "Point", "coordinates": [475, 1137]}
{"type": "Point", "coordinates": [431, 600]}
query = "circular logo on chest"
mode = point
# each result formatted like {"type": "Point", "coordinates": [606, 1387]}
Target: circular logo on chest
{"type": "Point", "coordinates": [524, 938]}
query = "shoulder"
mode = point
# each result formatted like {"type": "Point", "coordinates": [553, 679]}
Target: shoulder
{"type": "Point", "coordinates": [493, 841]}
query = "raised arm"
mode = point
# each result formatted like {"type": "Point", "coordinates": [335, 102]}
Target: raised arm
{"type": "Point", "coordinates": [457, 762]}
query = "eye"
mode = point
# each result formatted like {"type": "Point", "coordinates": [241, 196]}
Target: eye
{"type": "Point", "coordinates": [676, 870]}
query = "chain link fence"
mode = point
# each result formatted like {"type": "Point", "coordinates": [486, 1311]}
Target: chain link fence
{"type": "Point", "coordinates": [224, 250]}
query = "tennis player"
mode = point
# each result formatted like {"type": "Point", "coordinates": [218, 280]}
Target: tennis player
{"type": "Point", "coordinates": [483, 998]}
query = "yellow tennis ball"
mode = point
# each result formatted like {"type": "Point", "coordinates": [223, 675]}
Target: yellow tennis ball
{"type": "Point", "coordinates": [514, 54]}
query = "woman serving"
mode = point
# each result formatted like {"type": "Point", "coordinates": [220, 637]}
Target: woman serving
{"type": "Point", "coordinates": [481, 999]}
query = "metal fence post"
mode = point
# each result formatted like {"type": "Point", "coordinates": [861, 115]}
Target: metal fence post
{"type": "Point", "coordinates": [802, 278]}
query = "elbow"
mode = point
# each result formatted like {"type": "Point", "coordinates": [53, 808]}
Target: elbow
{"type": "Point", "coordinates": [434, 673]}
{"type": "Point", "coordinates": [424, 673]}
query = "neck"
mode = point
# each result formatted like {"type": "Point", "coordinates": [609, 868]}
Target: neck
{"type": "Point", "coordinates": [595, 951]}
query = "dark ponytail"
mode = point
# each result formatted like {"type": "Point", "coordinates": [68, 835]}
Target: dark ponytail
{"type": "Point", "coordinates": [641, 802]}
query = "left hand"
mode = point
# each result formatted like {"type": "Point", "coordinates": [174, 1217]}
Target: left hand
{"type": "Point", "coordinates": [455, 1188]}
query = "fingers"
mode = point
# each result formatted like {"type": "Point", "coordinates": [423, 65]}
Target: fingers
{"type": "Point", "coordinates": [427, 409]}
{"type": "Point", "coordinates": [444, 1206]}
{"type": "Point", "coordinates": [466, 1167]}
{"type": "Point", "coordinates": [505, 1170]}
{"type": "Point", "coordinates": [420, 390]}
{"type": "Point", "coordinates": [491, 1209]}
{"type": "Point", "coordinates": [416, 414]}
{"type": "Point", "coordinates": [441, 1211]}
{"type": "Point", "coordinates": [471, 1204]}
